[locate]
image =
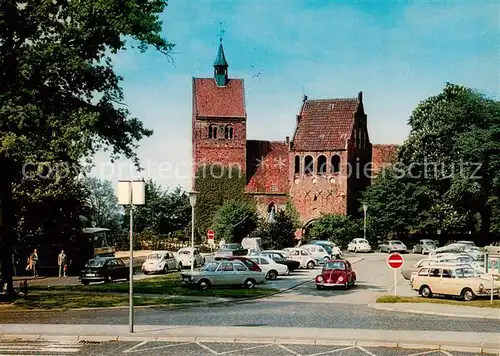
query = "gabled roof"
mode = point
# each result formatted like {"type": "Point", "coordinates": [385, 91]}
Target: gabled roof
{"type": "Point", "coordinates": [325, 124]}
{"type": "Point", "coordinates": [213, 101]}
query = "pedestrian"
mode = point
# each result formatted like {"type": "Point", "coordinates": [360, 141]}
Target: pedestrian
{"type": "Point", "coordinates": [62, 261]}
{"type": "Point", "coordinates": [34, 262]}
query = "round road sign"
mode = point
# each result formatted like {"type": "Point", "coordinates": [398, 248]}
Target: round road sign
{"type": "Point", "coordinates": [395, 260]}
{"type": "Point", "coordinates": [210, 234]}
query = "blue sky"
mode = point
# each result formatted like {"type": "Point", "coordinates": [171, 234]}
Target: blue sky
{"type": "Point", "coordinates": [397, 53]}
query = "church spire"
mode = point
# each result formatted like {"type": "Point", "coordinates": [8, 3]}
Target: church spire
{"type": "Point", "coordinates": [220, 67]}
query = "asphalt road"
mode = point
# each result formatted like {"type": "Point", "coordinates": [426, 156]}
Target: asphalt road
{"type": "Point", "coordinates": [157, 348]}
{"type": "Point", "coordinates": [303, 307]}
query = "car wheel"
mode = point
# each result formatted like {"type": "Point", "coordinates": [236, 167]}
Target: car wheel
{"type": "Point", "coordinates": [195, 264]}
{"type": "Point", "coordinates": [319, 287]}
{"type": "Point", "coordinates": [310, 265]}
{"type": "Point", "coordinates": [85, 283]}
{"type": "Point", "coordinates": [249, 283]}
{"type": "Point", "coordinates": [272, 275]}
{"type": "Point", "coordinates": [413, 250]}
{"type": "Point", "coordinates": [346, 285]}
{"type": "Point", "coordinates": [204, 284]}
{"type": "Point", "coordinates": [468, 294]}
{"type": "Point", "coordinates": [326, 259]}
{"type": "Point", "coordinates": [108, 279]}
{"type": "Point", "coordinates": [425, 292]}
{"type": "Point", "coordinates": [165, 270]}
{"type": "Point", "coordinates": [179, 267]}
{"type": "Point", "coordinates": [203, 262]}
{"type": "Point", "coordinates": [287, 272]}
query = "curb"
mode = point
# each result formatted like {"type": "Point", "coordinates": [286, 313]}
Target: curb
{"type": "Point", "coordinates": [82, 339]}
{"type": "Point", "coordinates": [379, 306]}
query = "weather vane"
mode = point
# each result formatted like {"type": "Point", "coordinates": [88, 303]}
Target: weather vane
{"type": "Point", "coordinates": [221, 32]}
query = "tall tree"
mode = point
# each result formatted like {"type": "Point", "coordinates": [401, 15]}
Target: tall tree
{"type": "Point", "coordinates": [60, 99]}
{"type": "Point", "coordinates": [235, 220]}
{"type": "Point", "coordinates": [279, 234]}
{"type": "Point", "coordinates": [336, 228]}
{"type": "Point", "coordinates": [102, 204]}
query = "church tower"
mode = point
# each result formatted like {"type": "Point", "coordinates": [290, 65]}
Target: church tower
{"type": "Point", "coordinates": [219, 118]}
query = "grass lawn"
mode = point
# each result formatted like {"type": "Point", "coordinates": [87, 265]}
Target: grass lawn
{"type": "Point", "coordinates": [167, 284]}
{"type": "Point", "coordinates": [481, 303]}
{"type": "Point", "coordinates": [57, 300]}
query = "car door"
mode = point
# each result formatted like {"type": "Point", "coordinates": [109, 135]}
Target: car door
{"type": "Point", "coordinates": [170, 260]}
{"type": "Point", "coordinates": [241, 272]}
{"type": "Point", "coordinates": [121, 269]}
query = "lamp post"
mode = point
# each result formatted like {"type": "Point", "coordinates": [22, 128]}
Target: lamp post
{"type": "Point", "coordinates": [131, 193]}
{"type": "Point", "coordinates": [365, 208]}
{"type": "Point", "coordinates": [192, 201]}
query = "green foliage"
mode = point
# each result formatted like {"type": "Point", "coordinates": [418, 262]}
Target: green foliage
{"type": "Point", "coordinates": [102, 204]}
{"type": "Point", "coordinates": [277, 235]}
{"type": "Point", "coordinates": [448, 174]}
{"type": "Point", "coordinates": [294, 215]}
{"type": "Point", "coordinates": [61, 100]}
{"type": "Point", "coordinates": [336, 228]}
{"type": "Point", "coordinates": [215, 185]}
{"type": "Point", "coordinates": [235, 220]}
{"type": "Point", "coordinates": [163, 213]}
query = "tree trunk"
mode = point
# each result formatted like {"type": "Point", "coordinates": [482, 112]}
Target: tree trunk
{"type": "Point", "coordinates": [485, 221]}
{"type": "Point", "coordinates": [6, 228]}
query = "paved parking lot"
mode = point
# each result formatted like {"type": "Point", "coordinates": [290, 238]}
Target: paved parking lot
{"type": "Point", "coordinates": [157, 348]}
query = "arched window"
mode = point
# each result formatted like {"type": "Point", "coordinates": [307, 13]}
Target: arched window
{"type": "Point", "coordinates": [321, 164]}
{"type": "Point", "coordinates": [229, 132]}
{"type": "Point", "coordinates": [271, 213]}
{"type": "Point", "coordinates": [297, 164]}
{"type": "Point", "coordinates": [308, 165]}
{"type": "Point", "coordinates": [335, 164]}
{"type": "Point", "coordinates": [212, 131]}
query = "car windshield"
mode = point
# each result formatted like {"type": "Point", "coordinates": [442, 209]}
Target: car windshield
{"type": "Point", "coordinates": [95, 263]}
{"type": "Point", "coordinates": [184, 252]}
{"type": "Point", "coordinates": [396, 243]}
{"type": "Point", "coordinates": [230, 247]}
{"type": "Point", "coordinates": [210, 267]}
{"type": "Point", "coordinates": [154, 256]}
{"type": "Point", "coordinates": [363, 241]}
{"type": "Point", "coordinates": [334, 265]}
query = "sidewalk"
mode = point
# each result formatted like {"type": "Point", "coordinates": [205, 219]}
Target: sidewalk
{"type": "Point", "coordinates": [465, 341]}
{"type": "Point", "coordinates": [440, 309]}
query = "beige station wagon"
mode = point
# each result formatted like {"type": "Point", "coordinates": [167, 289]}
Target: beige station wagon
{"type": "Point", "coordinates": [452, 280]}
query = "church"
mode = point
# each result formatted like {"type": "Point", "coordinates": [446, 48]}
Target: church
{"type": "Point", "coordinates": [323, 168]}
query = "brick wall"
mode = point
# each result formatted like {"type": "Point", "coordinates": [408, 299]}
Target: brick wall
{"type": "Point", "coordinates": [263, 201]}
{"type": "Point", "coordinates": [267, 167]}
{"type": "Point", "coordinates": [314, 194]}
{"type": "Point", "coordinates": [382, 156]}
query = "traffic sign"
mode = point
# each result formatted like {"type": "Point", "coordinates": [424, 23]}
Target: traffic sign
{"type": "Point", "coordinates": [395, 260]}
{"type": "Point", "coordinates": [210, 234]}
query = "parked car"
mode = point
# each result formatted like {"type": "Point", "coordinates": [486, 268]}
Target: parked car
{"type": "Point", "coordinates": [252, 265]}
{"type": "Point", "coordinates": [424, 246]}
{"type": "Point", "coordinates": [160, 261]}
{"type": "Point", "coordinates": [493, 248]}
{"type": "Point", "coordinates": [104, 269]}
{"type": "Point", "coordinates": [449, 280]}
{"type": "Point", "coordinates": [301, 255]}
{"type": "Point", "coordinates": [407, 271]}
{"type": "Point", "coordinates": [223, 273]}
{"type": "Point", "coordinates": [271, 268]}
{"type": "Point", "coordinates": [467, 242]}
{"type": "Point", "coordinates": [336, 273]}
{"type": "Point", "coordinates": [281, 257]}
{"type": "Point", "coordinates": [188, 255]}
{"type": "Point", "coordinates": [390, 246]}
{"type": "Point", "coordinates": [359, 245]}
{"type": "Point", "coordinates": [318, 252]}
{"type": "Point", "coordinates": [336, 252]}
{"type": "Point", "coordinates": [233, 249]}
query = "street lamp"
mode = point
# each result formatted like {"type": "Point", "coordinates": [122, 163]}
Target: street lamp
{"type": "Point", "coordinates": [365, 208]}
{"type": "Point", "coordinates": [131, 192]}
{"type": "Point", "coordinates": [192, 201]}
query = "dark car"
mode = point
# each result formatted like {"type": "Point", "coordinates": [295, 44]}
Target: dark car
{"type": "Point", "coordinates": [232, 249]}
{"type": "Point", "coordinates": [280, 258]}
{"type": "Point", "coordinates": [251, 265]}
{"type": "Point", "coordinates": [104, 269]}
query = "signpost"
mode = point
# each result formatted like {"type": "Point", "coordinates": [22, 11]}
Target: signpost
{"type": "Point", "coordinates": [395, 261]}
{"type": "Point", "coordinates": [210, 237]}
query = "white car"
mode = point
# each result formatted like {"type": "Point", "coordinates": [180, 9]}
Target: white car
{"type": "Point", "coordinates": [359, 245]}
{"type": "Point", "coordinates": [188, 255]}
{"type": "Point", "coordinates": [319, 253]}
{"type": "Point", "coordinates": [271, 268]}
{"type": "Point", "coordinates": [160, 261]}
{"type": "Point", "coordinates": [336, 251]}
{"type": "Point", "coordinates": [301, 255]}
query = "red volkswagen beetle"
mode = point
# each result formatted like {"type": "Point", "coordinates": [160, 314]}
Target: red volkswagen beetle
{"type": "Point", "coordinates": [336, 273]}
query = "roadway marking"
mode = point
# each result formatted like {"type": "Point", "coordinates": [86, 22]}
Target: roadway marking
{"type": "Point", "coordinates": [40, 347]}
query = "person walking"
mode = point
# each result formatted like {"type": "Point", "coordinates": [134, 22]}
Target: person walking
{"type": "Point", "coordinates": [34, 262]}
{"type": "Point", "coordinates": [62, 261]}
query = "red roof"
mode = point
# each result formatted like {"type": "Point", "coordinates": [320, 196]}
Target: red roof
{"type": "Point", "coordinates": [325, 125]}
{"type": "Point", "coordinates": [214, 101]}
